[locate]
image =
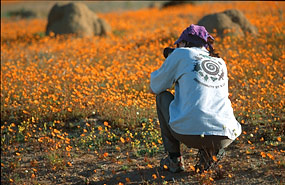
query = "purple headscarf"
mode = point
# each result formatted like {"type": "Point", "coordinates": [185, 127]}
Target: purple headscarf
{"type": "Point", "coordinates": [197, 35]}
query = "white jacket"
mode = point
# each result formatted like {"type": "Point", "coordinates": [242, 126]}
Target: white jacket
{"type": "Point", "coordinates": [201, 105]}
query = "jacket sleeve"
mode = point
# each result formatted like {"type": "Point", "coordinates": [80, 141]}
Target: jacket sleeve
{"type": "Point", "coordinates": [164, 77]}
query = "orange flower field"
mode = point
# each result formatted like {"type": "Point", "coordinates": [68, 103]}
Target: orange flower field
{"type": "Point", "coordinates": [98, 87]}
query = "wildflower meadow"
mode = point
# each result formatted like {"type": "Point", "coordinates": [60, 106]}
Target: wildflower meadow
{"type": "Point", "coordinates": [77, 110]}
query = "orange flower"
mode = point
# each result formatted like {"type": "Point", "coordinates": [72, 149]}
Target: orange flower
{"type": "Point", "coordinates": [263, 154]}
{"type": "Point", "coordinates": [56, 131]}
{"type": "Point", "coordinates": [122, 140]}
{"type": "Point", "coordinates": [105, 154]}
{"type": "Point", "coordinates": [128, 180]}
{"type": "Point", "coordinates": [270, 156]}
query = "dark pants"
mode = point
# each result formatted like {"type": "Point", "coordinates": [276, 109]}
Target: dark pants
{"type": "Point", "coordinates": [172, 140]}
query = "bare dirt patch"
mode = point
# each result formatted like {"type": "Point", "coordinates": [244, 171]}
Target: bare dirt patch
{"type": "Point", "coordinates": [88, 167]}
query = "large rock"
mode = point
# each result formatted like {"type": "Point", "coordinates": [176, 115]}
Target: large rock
{"type": "Point", "coordinates": [232, 20]}
{"type": "Point", "coordinates": [239, 18]}
{"type": "Point", "coordinates": [75, 18]}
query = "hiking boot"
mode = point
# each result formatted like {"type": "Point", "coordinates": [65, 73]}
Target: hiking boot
{"type": "Point", "coordinates": [173, 165]}
{"type": "Point", "coordinates": [207, 161]}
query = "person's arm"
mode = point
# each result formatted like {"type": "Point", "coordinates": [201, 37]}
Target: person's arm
{"type": "Point", "coordinates": [150, 90]}
{"type": "Point", "coordinates": [163, 78]}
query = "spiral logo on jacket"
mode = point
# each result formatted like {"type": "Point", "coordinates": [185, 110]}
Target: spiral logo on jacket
{"type": "Point", "coordinates": [210, 71]}
{"type": "Point", "coordinates": [210, 67]}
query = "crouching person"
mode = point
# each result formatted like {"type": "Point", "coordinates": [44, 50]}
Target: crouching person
{"type": "Point", "coordinates": [200, 114]}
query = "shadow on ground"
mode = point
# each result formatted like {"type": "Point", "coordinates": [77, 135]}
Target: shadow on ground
{"type": "Point", "coordinates": [144, 176]}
